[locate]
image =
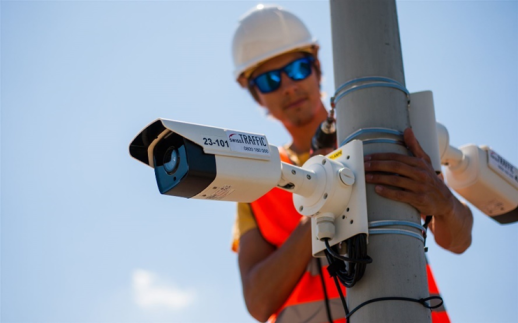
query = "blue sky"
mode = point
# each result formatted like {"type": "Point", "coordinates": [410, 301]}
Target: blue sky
{"type": "Point", "coordinates": [85, 235]}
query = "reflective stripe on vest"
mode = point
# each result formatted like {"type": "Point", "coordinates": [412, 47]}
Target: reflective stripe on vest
{"type": "Point", "coordinates": [276, 218]}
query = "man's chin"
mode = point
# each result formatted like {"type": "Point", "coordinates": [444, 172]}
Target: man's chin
{"type": "Point", "coordinates": [302, 121]}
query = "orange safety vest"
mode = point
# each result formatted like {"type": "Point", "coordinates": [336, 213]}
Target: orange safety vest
{"type": "Point", "coordinates": [276, 218]}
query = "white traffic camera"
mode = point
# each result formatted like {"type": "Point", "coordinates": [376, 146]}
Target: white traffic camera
{"type": "Point", "coordinates": [202, 162]}
{"type": "Point", "coordinates": [482, 177]}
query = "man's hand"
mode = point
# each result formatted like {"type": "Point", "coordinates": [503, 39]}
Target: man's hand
{"type": "Point", "coordinates": [412, 180]}
{"type": "Point", "coordinates": [415, 177]}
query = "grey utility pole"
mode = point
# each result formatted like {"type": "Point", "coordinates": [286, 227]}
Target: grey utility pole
{"type": "Point", "coordinates": [366, 43]}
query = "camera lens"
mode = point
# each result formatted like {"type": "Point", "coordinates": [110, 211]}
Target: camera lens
{"type": "Point", "coordinates": [171, 160]}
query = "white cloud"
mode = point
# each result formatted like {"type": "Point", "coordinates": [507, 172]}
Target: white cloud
{"type": "Point", "coordinates": [150, 291]}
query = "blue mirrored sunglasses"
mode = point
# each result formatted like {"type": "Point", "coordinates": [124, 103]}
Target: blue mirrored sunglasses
{"type": "Point", "coordinates": [270, 81]}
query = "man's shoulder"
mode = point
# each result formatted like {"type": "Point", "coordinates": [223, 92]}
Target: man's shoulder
{"type": "Point", "coordinates": [293, 157]}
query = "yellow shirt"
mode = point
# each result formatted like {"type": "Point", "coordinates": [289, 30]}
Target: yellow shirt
{"type": "Point", "coordinates": [245, 220]}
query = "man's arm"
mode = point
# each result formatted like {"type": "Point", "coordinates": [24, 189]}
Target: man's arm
{"type": "Point", "coordinates": [412, 179]}
{"type": "Point", "coordinates": [268, 274]}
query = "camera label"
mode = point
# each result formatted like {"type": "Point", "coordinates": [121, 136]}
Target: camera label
{"type": "Point", "coordinates": [221, 193]}
{"type": "Point", "coordinates": [217, 142]}
{"type": "Point", "coordinates": [503, 167]}
{"type": "Point", "coordinates": [248, 143]}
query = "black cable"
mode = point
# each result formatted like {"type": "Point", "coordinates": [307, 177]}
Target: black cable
{"type": "Point", "coordinates": [349, 270]}
{"type": "Point", "coordinates": [366, 260]}
{"type": "Point", "coordinates": [326, 298]}
{"type": "Point", "coordinates": [344, 303]}
{"type": "Point", "coordinates": [421, 301]}
{"type": "Point", "coordinates": [356, 262]}
{"type": "Point", "coordinates": [332, 269]}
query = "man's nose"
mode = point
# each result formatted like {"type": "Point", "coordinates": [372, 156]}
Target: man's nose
{"type": "Point", "coordinates": [288, 86]}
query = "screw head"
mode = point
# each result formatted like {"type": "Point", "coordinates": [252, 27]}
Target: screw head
{"type": "Point", "coordinates": [308, 176]}
{"type": "Point", "coordinates": [346, 176]}
{"type": "Point", "coordinates": [293, 172]}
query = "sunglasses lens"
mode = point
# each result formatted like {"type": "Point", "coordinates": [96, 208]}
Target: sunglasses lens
{"type": "Point", "coordinates": [271, 81]}
{"type": "Point", "coordinates": [268, 82]}
{"type": "Point", "coordinates": [299, 69]}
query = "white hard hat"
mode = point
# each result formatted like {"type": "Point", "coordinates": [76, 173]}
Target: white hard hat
{"type": "Point", "coordinates": [265, 32]}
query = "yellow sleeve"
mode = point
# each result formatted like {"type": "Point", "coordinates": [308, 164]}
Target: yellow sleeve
{"type": "Point", "coordinates": [245, 221]}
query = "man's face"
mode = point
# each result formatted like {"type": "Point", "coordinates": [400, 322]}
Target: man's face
{"type": "Point", "coordinates": [294, 103]}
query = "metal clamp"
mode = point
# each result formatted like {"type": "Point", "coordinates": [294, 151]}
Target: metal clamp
{"type": "Point", "coordinates": [377, 224]}
{"type": "Point", "coordinates": [369, 82]}
{"type": "Point", "coordinates": [378, 139]}
{"type": "Point", "coordinates": [384, 141]}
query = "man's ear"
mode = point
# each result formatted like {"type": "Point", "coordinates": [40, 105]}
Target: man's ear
{"type": "Point", "coordinates": [317, 64]}
{"type": "Point", "coordinates": [314, 51]}
{"type": "Point", "coordinates": [243, 81]}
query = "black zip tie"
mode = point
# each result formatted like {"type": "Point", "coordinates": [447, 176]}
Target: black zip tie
{"type": "Point", "coordinates": [335, 267]}
{"type": "Point", "coordinates": [427, 221]}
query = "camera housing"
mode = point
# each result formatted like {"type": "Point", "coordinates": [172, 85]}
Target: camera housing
{"type": "Point", "coordinates": [482, 177]}
{"type": "Point", "coordinates": [203, 162]}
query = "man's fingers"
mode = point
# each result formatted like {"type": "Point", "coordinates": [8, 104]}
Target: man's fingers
{"type": "Point", "coordinates": [409, 160]}
{"type": "Point", "coordinates": [421, 159]}
{"type": "Point", "coordinates": [413, 144]}
{"type": "Point", "coordinates": [395, 181]}
{"type": "Point", "coordinates": [396, 167]}
{"type": "Point", "coordinates": [416, 200]}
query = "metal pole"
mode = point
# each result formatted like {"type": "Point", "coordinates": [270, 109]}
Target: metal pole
{"type": "Point", "coordinates": [366, 43]}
